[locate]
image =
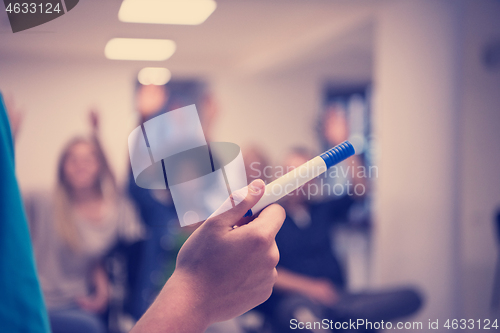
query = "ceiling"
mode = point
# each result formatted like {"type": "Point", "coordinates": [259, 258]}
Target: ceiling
{"type": "Point", "coordinates": [241, 36]}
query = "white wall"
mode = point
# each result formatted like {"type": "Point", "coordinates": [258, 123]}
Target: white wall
{"type": "Point", "coordinates": [416, 80]}
{"type": "Point", "coordinates": [437, 124]}
{"type": "Point", "coordinates": [480, 145]}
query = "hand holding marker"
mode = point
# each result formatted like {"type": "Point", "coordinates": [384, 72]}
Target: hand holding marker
{"type": "Point", "coordinates": [301, 175]}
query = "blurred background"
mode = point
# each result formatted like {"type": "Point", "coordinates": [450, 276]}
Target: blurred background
{"type": "Point", "coordinates": [418, 81]}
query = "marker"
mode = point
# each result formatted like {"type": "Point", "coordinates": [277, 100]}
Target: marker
{"type": "Point", "coordinates": [301, 175]}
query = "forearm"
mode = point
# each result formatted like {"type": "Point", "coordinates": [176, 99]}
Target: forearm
{"type": "Point", "coordinates": [290, 281]}
{"type": "Point", "coordinates": [101, 282]}
{"type": "Point", "coordinates": [176, 309]}
{"type": "Point", "coordinates": [316, 289]}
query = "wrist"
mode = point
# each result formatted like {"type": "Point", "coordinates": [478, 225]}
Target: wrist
{"type": "Point", "coordinates": [178, 308]}
{"type": "Point", "coordinates": [190, 301]}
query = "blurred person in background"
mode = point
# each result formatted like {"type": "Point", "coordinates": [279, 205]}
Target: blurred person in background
{"type": "Point", "coordinates": [311, 282]}
{"type": "Point", "coordinates": [72, 230]}
{"type": "Point", "coordinates": [334, 130]}
{"type": "Point", "coordinates": [257, 165]}
{"type": "Point", "coordinates": [154, 260]}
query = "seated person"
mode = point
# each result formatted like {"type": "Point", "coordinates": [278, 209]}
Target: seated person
{"type": "Point", "coordinates": [310, 276]}
{"type": "Point", "coordinates": [152, 261]}
{"type": "Point", "coordinates": [72, 230]}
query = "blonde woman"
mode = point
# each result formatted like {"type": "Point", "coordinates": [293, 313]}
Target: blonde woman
{"type": "Point", "coordinates": [72, 230]}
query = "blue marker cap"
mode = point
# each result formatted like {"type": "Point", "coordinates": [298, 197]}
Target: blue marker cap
{"type": "Point", "coordinates": [337, 154]}
{"type": "Point", "coordinates": [331, 157]}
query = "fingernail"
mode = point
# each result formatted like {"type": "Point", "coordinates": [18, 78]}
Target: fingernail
{"type": "Point", "coordinates": [256, 186]}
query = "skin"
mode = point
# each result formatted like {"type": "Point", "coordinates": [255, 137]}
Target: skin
{"type": "Point", "coordinates": [15, 115]}
{"type": "Point", "coordinates": [81, 169]}
{"type": "Point", "coordinates": [150, 99]}
{"type": "Point", "coordinates": [318, 290]}
{"type": "Point", "coordinates": [222, 271]}
{"type": "Point", "coordinates": [335, 128]}
{"type": "Point", "coordinates": [98, 301]}
{"type": "Point", "coordinates": [336, 131]}
{"type": "Point", "coordinates": [255, 164]}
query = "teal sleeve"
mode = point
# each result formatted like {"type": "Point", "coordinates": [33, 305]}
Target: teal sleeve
{"type": "Point", "coordinates": [22, 308]}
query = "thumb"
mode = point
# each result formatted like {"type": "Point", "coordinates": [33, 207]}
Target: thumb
{"type": "Point", "coordinates": [238, 204]}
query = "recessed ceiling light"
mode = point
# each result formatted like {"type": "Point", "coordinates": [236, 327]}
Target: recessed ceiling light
{"type": "Point", "coordinates": [190, 12]}
{"type": "Point", "coordinates": [154, 75]}
{"type": "Point", "coordinates": [139, 49]}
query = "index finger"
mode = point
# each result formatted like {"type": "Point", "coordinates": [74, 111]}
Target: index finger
{"type": "Point", "coordinates": [269, 220]}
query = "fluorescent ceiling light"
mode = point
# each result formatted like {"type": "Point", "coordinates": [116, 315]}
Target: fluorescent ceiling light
{"type": "Point", "coordinates": [191, 12]}
{"type": "Point", "coordinates": [139, 49]}
{"type": "Point", "coordinates": [154, 75]}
